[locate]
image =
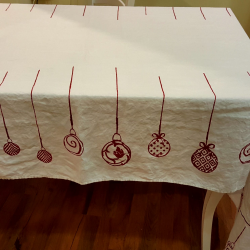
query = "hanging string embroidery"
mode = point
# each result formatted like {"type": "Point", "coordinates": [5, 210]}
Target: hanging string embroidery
{"type": "Point", "coordinates": [159, 146]}
{"type": "Point", "coordinates": [203, 158]}
{"type": "Point", "coordinates": [245, 151]}
{"type": "Point", "coordinates": [115, 152]}
{"type": "Point", "coordinates": [42, 155]}
{"type": "Point", "coordinates": [10, 147]}
{"type": "Point", "coordinates": [71, 142]}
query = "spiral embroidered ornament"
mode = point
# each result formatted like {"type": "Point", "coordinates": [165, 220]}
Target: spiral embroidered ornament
{"type": "Point", "coordinates": [204, 159]}
{"type": "Point", "coordinates": [115, 152]}
{"type": "Point", "coordinates": [71, 142]}
{"type": "Point", "coordinates": [244, 155]}
{"type": "Point", "coordinates": [159, 146]}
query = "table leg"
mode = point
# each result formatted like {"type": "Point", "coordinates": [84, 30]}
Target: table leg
{"type": "Point", "coordinates": [211, 201]}
{"type": "Point", "coordinates": [236, 197]}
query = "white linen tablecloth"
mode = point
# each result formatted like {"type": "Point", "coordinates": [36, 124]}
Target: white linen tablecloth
{"type": "Point", "coordinates": [178, 44]}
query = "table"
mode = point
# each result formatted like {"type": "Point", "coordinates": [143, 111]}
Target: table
{"type": "Point", "coordinates": [175, 78]}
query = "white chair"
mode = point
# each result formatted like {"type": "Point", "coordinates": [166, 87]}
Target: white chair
{"type": "Point", "coordinates": [114, 2]}
{"type": "Point", "coordinates": [211, 201]}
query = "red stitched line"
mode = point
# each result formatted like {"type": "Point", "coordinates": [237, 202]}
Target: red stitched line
{"type": "Point", "coordinates": [241, 199]}
{"type": "Point", "coordinates": [8, 7]}
{"type": "Point", "coordinates": [228, 12]}
{"type": "Point", "coordinates": [240, 234]}
{"type": "Point", "coordinates": [244, 218]}
{"type": "Point", "coordinates": [116, 100]}
{"type": "Point", "coordinates": [162, 105]}
{"type": "Point", "coordinates": [202, 13]}
{"type": "Point", "coordinates": [2, 111]}
{"type": "Point", "coordinates": [4, 78]}
{"type": "Point", "coordinates": [71, 119]}
{"type": "Point", "coordinates": [34, 108]}
{"type": "Point", "coordinates": [145, 10]}
{"type": "Point", "coordinates": [118, 13]}
{"type": "Point", "coordinates": [212, 109]}
{"type": "Point", "coordinates": [32, 7]}
{"type": "Point", "coordinates": [53, 12]}
{"type": "Point", "coordinates": [4, 123]}
{"type": "Point", "coordinates": [248, 73]}
{"type": "Point", "coordinates": [174, 13]}
{"type": "Point", "coordinates": [84, 10]}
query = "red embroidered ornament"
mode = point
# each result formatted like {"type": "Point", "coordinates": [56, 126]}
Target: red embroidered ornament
{"type": "Point", "coordinates": [10, 147]}
{"type": "Point", "coordinates": [71, 142]}
{"type": "Point", "coordinates": [244, 154]}
{"type": "Point", "coordinates": [115, 152]}
{"type": "Point", "coordinates": [42, 155]}
{"type": "Point", "coordinates": [159, 146]}
{"type": "Point", "coordinates": [203, 158]}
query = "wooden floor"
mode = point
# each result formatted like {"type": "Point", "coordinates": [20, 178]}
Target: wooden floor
{"type": "Point", "coordinates": [41, 214]}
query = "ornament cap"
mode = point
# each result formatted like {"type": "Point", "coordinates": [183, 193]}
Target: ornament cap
{"type": "Point", "coordinates": [158, 136]}
{"type": "Point", "coordinates": [204, 145]}
{"type": "Point", "coordinates": [9, 140]}
{"type": "Point", "coordinates": [116, 137]}
{"type": "Point", "coordinates": [72, 131]}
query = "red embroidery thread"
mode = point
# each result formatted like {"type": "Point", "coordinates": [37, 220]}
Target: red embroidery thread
{"type": "Point", "coordinates": [230, 245]}
{"type": "Point", "coordinates": [32, 7]}
{"type": "Point", "coordinates": [115, 152]}
{"type": "Point", "coordinates": [53, 12]}
{"type": "Point", "coordinates": [202, 13]}
{"type": "Point", "coordinates": [71, 142]}
{"type": "Point", "coordinates": [10, 147]}
{"type": "Point", "coordinates": [4, 78]}
{"type": "Point", "coordinates": [118, 13]}
{"type": "Point", "coordinates": [42, 155]}
{"type": "Point", "coordinates": [174, 13]}
{"type": "Point", "coordinates": [84, 11]}
{"type": "Point", "coordinates": [159, 146]}
{"type": "Point", "coordinates": [241, 199]}
{"type": "Point", "coordinates": [8, 7]}
{"type": "Point", "coordinates": [145, 10]}
{"type": "Point", "coordinates": [245, 151]}
{"type": "Point", "coordinates": [228, 12]}
{"type": "Point", "coordinates": [244, 218]}
{"type": "Point", "coordinates": [203, 158]}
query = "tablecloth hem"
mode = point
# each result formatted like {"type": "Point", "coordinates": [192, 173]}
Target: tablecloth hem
{"type": "Point", "coordinates": [100, 180]}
